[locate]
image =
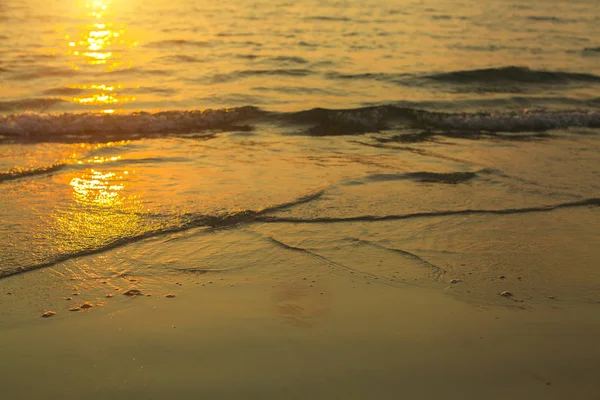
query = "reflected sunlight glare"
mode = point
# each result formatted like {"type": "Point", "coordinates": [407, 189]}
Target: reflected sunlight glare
{"type": "Point", "coordinates": [99, 49]}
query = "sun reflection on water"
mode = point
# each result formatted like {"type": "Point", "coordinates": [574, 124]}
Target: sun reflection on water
{"type": "Point", "coordinates": [103, 209]}
{"type": "Point", "coordinates": [98, 188]}
{"type": "Point", "coordinates": [98, 48]}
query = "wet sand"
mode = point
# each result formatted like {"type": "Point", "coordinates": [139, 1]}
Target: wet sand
{"type": "Point", "coordinates": [285, 336]}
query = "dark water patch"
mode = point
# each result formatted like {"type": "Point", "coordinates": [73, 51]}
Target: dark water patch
{"type": "Point", "coordinates": [422, 176]}
{"type": "Point", "coordinates": [246, 56]}
{"type": "Point", "coordinates": [414, 137]}
{"type": "Point", "coordinates": [513, 74]}
{"type": "Point", "coordinates": [162, 91]}
{"type": "Point", "coordinates": [307, 44]}
{"type": "Point", "coordinates": [179, 43]}
{"type": "Point", "coordinates": [139, 71]}
{"type": "Point", "coordinates": [64, 91]}
{"type": "Point", "coordinates": [548, 19]}
{"type": "Point", "coordinates": [396, 78]}
{"type": "Point", "coordinates": [300, 90]}
{"type": "Point", "coordinates": [430, 136]}
{"type": "Point", "coordinates": [594, 202]}
{"type": "Point", "coordinates": [327, 18]}
{"type": "Point", "coordinates": [591, 51]}
{"type": "Point", "coordinates": [220, 78]}
{"type": "Point", "coordinates": [437, 177]}
{"type": "Point", "coordinates": [327, 122]}
{"type": "Point", "coordinates": [182, 58]}
{"type": "Point", "coordinates": [39, 104]}
{"type": "Point", "coordinates": [289, 59]}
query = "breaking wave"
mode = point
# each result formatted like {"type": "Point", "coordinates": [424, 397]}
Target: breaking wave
{"type": "Point", "coordinates": [37, 127]}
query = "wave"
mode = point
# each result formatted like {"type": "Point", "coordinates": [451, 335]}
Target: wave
{"type": "Point", "coordinates": [34, 127]}
{"type": "Point", "coordinates": [70, 127]}
{"type": "Point", "coordinates": [372, 218]}
{"type": "Point", "coordinates": [535, 121]}
{"type": "Point", "coordinates": [179, 223]}
{"type": "Point", "coordinates": [513, 74]}
{"type": "Point", "coordinates": [18, 173]}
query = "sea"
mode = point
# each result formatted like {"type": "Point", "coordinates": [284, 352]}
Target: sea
{"type": "Point", "coordinates": [408, 142]}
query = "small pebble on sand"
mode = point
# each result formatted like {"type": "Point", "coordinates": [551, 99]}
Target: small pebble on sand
{"type": "Point", "coordinates": [68, 298]}
{"type": "Point", "coordinates": [47, 314]}
{"type": "Point", "coordinates": [502, 277]}
{"type": "Point", "coordinates": [169, 296]}
{"type": "Point", "coordinates": [86, 305]}
{"type": "Point", "coordinates": [109, 295]}
{"type": "Point", "coordinates": [74, 309]}
{"type": "Point", "coordinates": [453, 281]}
{"type": "Point", "coordinates": [506, 293]}
{"type": "Point", "coordinates": [132, 292]}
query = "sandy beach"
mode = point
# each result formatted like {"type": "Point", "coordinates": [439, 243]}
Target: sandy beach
{"type": "Point", "coordinates": [274, 199]}
{"type": "Point", "coordinates": [295, 328]}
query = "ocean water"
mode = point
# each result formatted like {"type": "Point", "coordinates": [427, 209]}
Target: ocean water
{"type": "Point", "coordinates": [444, 138]}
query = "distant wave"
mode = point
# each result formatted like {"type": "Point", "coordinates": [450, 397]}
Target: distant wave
{"type": "Point", "coordinates": [28, 104]}
{"type": "Point", "coordinates": [328, 18]}
{"type": "Point", "coordinates": [513, 74]}
{"type": "Point", "coordinates": [35, 127]}
{"type": "Point", "coordinates": [289, 59]}
{"type": "Point", "coordinates": [376, 76]}
{"type": "Point", "coordinates": [548, 19]}
{"type": "Point", "coordinates": [178, 42]}
{"type": "Point", "coordinates": [232, 76]}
